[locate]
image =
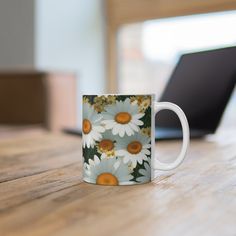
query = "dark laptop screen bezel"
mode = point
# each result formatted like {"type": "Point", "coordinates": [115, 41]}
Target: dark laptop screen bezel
{"type": "Point", "coordinates": [206, 64]}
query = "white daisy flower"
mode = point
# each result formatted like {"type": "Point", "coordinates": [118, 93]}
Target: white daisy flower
{"type": "Point", "coordinates": [146, 173]}
{"type": "Point", "coordinates": [107, 172]}
{"type": "Point", "coordinates": [92, 127]}
{"type": "Point", "coordinates": [107, 144]}
{"type": "Point", "coordinates": [134, 149]}
{"type": "Point", "coordinates": [122, 117]}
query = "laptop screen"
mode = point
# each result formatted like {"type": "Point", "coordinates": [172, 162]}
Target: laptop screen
{"type": "Point", "coordinates": [201, 85]}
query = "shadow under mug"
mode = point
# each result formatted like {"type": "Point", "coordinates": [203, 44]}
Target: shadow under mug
{"type": "Point", "coordinates": [118, 138]}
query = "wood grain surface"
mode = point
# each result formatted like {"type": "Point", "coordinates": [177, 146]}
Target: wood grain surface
{"type": "Point", "coordinates": [42, 192]}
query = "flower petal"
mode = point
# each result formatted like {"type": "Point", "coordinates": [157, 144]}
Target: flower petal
{"type": "Point", "coordinates": [128, 130]}
{"type": "Point", "coordinates": [116, 129]}
{"type": "Point", "coordinates": [137, 122]}
{"type": "Point", "coordinates": [138, 116]}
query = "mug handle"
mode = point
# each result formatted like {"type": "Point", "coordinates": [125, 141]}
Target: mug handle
{"type": "Point", "coordinates": [158, 106]}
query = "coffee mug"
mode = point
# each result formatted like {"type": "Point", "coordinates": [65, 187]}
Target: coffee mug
{"type": "Point", "coordinates": [118, 138]}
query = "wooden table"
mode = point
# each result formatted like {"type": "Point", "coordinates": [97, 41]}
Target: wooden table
{"type": "Point", "coordinates": [42, 192]}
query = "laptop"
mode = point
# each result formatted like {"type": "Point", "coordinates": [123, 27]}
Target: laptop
{"type": "Point", "coordinates": [201, 84]}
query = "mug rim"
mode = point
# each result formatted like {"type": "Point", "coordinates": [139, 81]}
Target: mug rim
{"type": "Point", "coordinates": [120, 94]}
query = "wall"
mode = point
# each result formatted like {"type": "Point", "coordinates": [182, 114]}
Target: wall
{"type": "Point", "coordinates": [17, 34]}
{"type": "Point", "coordinates": [70, 36]}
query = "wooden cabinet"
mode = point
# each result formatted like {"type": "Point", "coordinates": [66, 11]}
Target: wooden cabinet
{"type": "Point", "coordinates": [33, 97]}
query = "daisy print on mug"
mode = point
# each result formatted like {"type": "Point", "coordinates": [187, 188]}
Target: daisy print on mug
{"type": "Point", "coordinates": [117, 139]}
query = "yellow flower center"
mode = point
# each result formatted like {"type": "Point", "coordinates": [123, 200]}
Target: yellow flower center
{"type": "Point", "coordinates": [87, 126]}
{"type": "Point", "coordinates": [107, 179]}
{"type": "Point", "coordinates": [123, 117]}
{"type": "Point", "coordinates": [134, 147]}
{"type": "Point", "coordinates": [106, 145]}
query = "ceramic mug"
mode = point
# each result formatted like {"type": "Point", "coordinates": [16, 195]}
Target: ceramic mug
{"type": "Point", "coordinates": [118, 138]}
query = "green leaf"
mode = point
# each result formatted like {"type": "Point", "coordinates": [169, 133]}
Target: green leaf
{"type": "Point", "coordinates": [147, 118]}
{"type": "Point", "coordinates": [88, 153]}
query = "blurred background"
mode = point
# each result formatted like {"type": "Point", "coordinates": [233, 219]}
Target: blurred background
{"type": "Point", "coordinates": [150, 50]}
{"type": "Point", "coordinates": [52, 52]}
